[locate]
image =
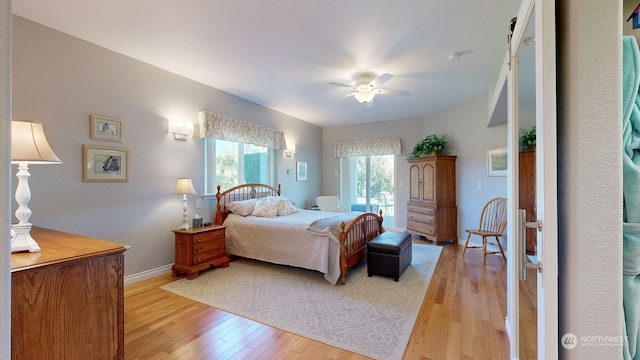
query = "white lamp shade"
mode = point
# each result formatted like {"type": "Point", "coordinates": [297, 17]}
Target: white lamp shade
{"type": "Point", "coordinates": [365, 96]}
{"type": "Point", "coordinates": [184, 187]}
{"type": "Point", "coordinates": [29, 144]}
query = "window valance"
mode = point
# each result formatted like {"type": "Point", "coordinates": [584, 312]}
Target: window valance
{"type": "Point", "coordinates": [223, 127]}
{"type": "Point", "coordinates": [387, 146]}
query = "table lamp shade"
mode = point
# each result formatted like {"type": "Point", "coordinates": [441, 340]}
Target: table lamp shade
{"type": "Point", "coordinates": [28, 143]}
{"type": "Point", "coordinates": [184, 187]}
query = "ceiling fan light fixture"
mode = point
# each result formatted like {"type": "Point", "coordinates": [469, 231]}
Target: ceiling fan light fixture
{"type": "Point", "coordinates": [364, 96]}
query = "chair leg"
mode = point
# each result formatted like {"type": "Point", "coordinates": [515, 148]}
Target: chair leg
{"type": "Point", "coordinates": [484, 250]}
{"type": "Point", "coordinates": [465, 244]}
{"type": "Point", "coordinates": [500, 247]}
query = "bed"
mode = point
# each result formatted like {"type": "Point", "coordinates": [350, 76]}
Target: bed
{"type": "Point", "coordinates": [328, 242]}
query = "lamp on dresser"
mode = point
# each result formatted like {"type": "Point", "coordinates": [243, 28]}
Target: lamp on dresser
{"type": "Point", "coordinates": [28, 146]}
{"type": "Point", "coordinates": [184, 188]}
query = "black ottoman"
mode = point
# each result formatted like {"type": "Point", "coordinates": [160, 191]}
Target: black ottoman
{"type": "Point", "coordinates": [389, 254]}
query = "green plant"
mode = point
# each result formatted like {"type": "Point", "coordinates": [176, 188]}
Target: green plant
{"type": "Point", "coordinates": [527, 139]}
{"type": "Point", "coordinates": [430, 144]}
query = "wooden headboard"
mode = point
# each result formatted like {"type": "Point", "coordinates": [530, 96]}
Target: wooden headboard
{"type": "Point", "coordinates": [241, 192]}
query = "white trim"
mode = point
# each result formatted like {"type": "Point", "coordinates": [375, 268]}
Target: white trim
{"type": "Point", "coordinates": [148, 274]}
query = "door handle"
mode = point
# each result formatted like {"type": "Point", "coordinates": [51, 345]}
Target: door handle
{"type": "Point", "coordinates": [523, 260]}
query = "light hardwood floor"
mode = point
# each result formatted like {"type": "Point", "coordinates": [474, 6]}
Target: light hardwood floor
{"type": "Point", "coordinates": [462, 317]}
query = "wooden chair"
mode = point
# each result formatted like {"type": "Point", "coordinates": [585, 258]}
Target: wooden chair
{"type": "Point", "coordinates": [493, 221]}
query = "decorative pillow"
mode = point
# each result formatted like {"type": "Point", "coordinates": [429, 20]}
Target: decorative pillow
{"type": "Point", "coordinates": [284, 207]}
{"type": "Point", "coordinates": [273, 198]}
{"type": "Point", "coordinates": [265, 209]}
{"type": "Point", "coordinates": [242, 207]}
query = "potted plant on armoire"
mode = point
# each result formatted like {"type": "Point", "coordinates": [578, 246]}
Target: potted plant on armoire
{"type": "Point", "coordinates": [432, 211]}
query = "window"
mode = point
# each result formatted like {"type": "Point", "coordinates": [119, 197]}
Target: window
{"type": "Point", "coordinates": [368, 184]}
{"type": "Point", "coordinates": [231, 163]}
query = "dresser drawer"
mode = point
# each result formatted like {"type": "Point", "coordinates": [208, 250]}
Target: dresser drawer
{"type": "Point", "coordinates": [208, 236]}
{"type": "Point", "coordinates": [207, 256]}
{"type": "Point", "coordinates": [422, 228]}
{"type": "Point", "coordinates": [424, 218]}
{"type": "Point", "coordinates": [208, 246]}
{"type": "Point", "coordinates": [427, 210]}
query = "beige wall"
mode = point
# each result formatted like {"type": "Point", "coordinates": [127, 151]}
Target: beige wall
{"type": "Point", "coordinates": [60, 80]}
{"type": "Point", "coordinates": [590, 173]}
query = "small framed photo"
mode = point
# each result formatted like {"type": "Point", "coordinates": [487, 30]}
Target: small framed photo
{"type": "Point", "coordinates": [301, 171]}
{"type": "Point", "coordinates": [497, 162]}
{"type": "Point", "coordinates": [101, 163]}
{"type": "Point", "coordinates": [106, 128]}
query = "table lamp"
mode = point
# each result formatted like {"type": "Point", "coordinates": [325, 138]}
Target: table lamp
{"type": "Point", "coordinates": [184, 188]}
{"type": "Point", "coordinates": [28, 146]}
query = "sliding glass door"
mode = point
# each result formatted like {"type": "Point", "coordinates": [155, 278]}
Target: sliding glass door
{"type": "Point", "coordinates": [368, 185]}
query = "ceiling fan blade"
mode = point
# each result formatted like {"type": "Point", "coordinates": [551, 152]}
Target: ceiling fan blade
{"type": "Point", "coordinates": [342, 96]}
{"type": "Point", "coordinates": [340, 84]}
{"type": "Point", "coordinates": [381, 79]}
{"type": "Point", "coordinates": [392, 92]}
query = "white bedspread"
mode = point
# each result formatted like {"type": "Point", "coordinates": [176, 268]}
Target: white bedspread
{"type": "Point", "coordinates": [285, 240]}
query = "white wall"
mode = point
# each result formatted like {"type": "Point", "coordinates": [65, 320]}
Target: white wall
{"type": "Point", "coordinates": [60, 80]}
{"type": "Point", "coordinates": [5, 182]}
{"type": "Point", "coordinates": [590, 174]}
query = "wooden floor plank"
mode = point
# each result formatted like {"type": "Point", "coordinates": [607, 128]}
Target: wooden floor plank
{"type": "Point", "coordinates": [462, 317]}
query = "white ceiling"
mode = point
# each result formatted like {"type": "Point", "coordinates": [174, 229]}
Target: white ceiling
{"type": "Point", "coordinates": [283, 53]}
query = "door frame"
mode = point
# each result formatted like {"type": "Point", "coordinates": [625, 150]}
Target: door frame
{"type": "Point", "coordinates": [543, 11]}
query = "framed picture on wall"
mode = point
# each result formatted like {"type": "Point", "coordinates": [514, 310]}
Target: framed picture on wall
{"type": "Point", "coordinates": [301, 171]}
{"type": "Point", "coordinates": [106, 128]}
{"type": "Point", "coordinates": [101, 163]}
{"type": "Point", "coordinates": [497, 162]}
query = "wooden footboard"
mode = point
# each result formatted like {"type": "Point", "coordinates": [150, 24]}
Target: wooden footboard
{"type": "Point", "coordinates": [354, 239]}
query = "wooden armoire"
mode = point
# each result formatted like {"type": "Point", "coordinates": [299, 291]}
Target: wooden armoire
{"type": "Point", "coordinates": [432, 211]}
{"type": "Point", "coordinates": [527, 194]}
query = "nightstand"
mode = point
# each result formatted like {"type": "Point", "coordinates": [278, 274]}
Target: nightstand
{"type": "Point", "coordinates": [198, 249]}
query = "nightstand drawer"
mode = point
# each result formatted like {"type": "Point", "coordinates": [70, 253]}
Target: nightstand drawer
{"type": "Point", "coordinates": [208, 236]}
{"type": "Point", "coordinates": [208, 246]}
{"type": "Point", "coordinates": [208, 256]}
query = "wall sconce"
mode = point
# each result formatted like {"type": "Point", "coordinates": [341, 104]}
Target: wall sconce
{"type": "Point", "coordinates": [179, 129]}
{"type": "Point", "coordinates": [289, 152]}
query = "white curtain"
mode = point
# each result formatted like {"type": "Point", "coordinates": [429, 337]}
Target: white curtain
{"type": "Point", "coordinates": [387, 146]}
{"type": "Point", "coordinates": [223, 127]}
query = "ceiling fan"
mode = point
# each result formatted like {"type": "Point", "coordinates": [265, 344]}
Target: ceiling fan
{"type": "Point", "coordinates": [366, 88]}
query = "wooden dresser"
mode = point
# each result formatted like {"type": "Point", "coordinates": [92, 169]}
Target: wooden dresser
{"type": "Point", "coordinates": [432, 210]}
{"type": "Point", "coordinates": [527, 194]}
{"type": "Point", "coordinates": [198, 249]}
{"type": "Point", "coordinates": [67, 301]}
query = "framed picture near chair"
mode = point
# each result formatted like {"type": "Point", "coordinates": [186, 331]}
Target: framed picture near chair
{"type": "Point", "coordinates": [497, 162]}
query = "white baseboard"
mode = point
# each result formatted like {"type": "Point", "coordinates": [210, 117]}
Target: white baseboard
{"type": "Point", "coordinates": [132, 279]}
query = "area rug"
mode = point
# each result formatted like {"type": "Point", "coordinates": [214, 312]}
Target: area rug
{"type": "Point", "coordinates": [371, 316]}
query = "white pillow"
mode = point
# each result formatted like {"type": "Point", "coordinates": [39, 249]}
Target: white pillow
{"type": "Point", "coordinates": [273, 198]}
{"type": "Point", "coordinates": [265, 209]}
{"type": "Point", "coordinates": [242, 207]}
{"type": "Point", "coordinates": [284, 207]}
